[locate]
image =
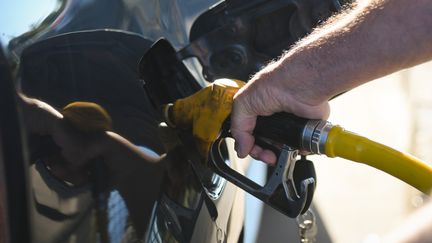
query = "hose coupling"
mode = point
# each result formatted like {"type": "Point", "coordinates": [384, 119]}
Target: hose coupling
{"type": "Point", "coordinates": [315, 135]}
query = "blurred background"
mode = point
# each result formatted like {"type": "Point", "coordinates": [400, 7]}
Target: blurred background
{"type": "Point", "coordinates": [359, 203]}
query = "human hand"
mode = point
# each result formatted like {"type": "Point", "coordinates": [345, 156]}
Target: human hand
{"type": "Point", "coordinates": [81, 133]}
{"type": "Point", "coordinates": [271, 90]}
{"type": "Point", "coordinates": [77, 148]}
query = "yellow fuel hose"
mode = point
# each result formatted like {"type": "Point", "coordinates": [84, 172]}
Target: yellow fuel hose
{"type": "Point", "coordinates": [347, 145]}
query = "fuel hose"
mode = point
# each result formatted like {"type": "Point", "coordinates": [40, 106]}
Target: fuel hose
{"type": "Point", "coordinates": [348, 145]}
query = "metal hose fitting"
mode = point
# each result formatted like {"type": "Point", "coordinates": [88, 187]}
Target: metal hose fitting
{"type": "Point", "coordinates": [315, 135]}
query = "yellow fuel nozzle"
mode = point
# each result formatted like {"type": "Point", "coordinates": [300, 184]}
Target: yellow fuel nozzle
{"type": "Point", "coordinates": [204, 111]}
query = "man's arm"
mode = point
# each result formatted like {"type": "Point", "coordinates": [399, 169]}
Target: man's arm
{"type": "Point", "coordinates": [373, 39]}
{"type": "Point", "coordinates": [38, 116]}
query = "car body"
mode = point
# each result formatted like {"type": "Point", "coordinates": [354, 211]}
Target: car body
{"type": "Point", "coordinates": [90, 50]}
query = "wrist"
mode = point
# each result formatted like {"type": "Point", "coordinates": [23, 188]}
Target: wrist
{"type": "Point", "coordinates": [299, 77]}
{"type": "Point", "coordinates": [295, 86]}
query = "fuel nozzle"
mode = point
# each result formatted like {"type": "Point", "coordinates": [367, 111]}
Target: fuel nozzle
{"type": "Point", "coordinates": [206, 111]}
{"type": "Point", "coordinates": [321, 137]}
{"type": "Point", "coordinates": [203, 112]}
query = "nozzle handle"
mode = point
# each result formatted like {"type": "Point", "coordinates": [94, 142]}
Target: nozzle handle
{"type": "Point", "coordinates": [284, 128]}
{"type": "Point", "coordinates": [289, 189]}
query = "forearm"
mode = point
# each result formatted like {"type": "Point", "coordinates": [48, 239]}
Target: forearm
{"type": "Point", "coordinates": [136, 175]}
{"type": "Point", "coordinates": [124, 158]}
{"type": "Point", "coordinates": [372, 40]}
{"type": "Point", "coordinates": [39, 117]}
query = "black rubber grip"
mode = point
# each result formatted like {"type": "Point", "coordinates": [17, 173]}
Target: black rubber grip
{"type": "Point", "coordinates": [283, 128]}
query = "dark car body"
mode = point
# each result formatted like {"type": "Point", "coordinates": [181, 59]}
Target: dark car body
{"type": "Point", "coordinates": [90, 50]}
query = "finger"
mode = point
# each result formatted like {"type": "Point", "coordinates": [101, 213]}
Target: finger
{"type": "Point", "coordinates": [264, 155]}
{"type": "Point", "coordinates": [256, 150]}
{"type": "Point", "coordinates": [242, 126]}
{"type": "Point", "coordinates": [244, 142]}
{"type": "Point", "coordinates": [267, 156]}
